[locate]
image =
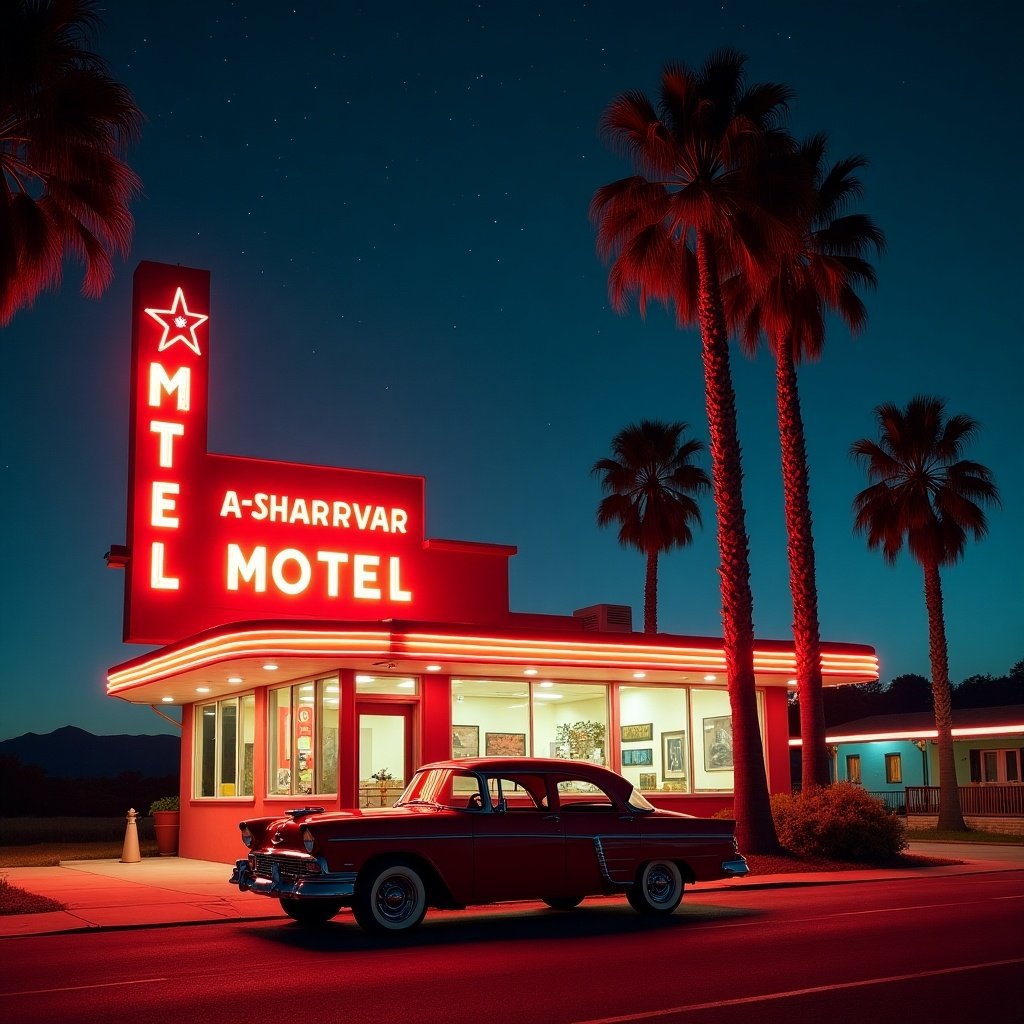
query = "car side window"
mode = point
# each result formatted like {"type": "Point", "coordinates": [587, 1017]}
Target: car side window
{"type": "Point", "coordinates": [577, 796]}
{"type": "Point", "coordinates": [517, 793]}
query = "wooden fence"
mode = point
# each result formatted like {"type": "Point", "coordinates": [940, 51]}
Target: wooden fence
{"type": "Point", "coordinates": [989, 799]}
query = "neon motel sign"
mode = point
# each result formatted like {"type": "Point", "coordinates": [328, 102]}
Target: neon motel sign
{"type": "Point", "coordinates": [214, 539]}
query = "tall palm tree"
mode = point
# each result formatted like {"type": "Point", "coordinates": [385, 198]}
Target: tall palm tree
{"type": "Point", "coordinates": [64, 124]}
{"type": "Point", "coordinates": [925, 495]}
{"type": "Point", "coordinates": [649, 485]}
{"type": "Point", "coordinates": [788, 305]}
{"type": "Point", "coordinates": [689, 215]}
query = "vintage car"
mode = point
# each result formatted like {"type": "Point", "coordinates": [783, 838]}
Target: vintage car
{"type": "Point", "coordinates": [483, 830]}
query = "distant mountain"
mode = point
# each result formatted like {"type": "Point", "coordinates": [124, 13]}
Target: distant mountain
{"type": "Point", "coordinates": [73, 753]}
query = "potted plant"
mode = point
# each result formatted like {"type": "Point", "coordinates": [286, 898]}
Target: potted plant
{"type": "Point", "coordinates": [383, 778]}
{"type": "Point", "coordinates": [165, 812]}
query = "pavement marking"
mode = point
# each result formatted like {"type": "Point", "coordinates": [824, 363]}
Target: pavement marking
{"type": "Point", "coordinates": [768, 996]}
{"type": "Point", "coordinates": [82, 988]}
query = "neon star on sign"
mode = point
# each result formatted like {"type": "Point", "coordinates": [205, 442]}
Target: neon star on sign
{"type": "Point", "coordinates": [176, 321]}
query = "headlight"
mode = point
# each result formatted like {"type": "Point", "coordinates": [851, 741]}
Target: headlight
{"type": "Point", "coordinates": [307, 840]}
{"type": "Point", "coordinates": [246, 835]}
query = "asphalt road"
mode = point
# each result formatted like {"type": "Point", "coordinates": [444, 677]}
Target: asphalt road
{"type": "Point", "coordinates": [935, 949]}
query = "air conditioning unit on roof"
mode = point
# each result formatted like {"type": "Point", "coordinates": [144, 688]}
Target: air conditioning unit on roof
{"type": "Point", "coordinates": [606, 618]}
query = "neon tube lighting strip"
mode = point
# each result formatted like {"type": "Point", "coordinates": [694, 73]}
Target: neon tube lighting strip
{"type": "Point", "coordinates": [920, 734]}
{"type": "Point", "coordinates": [463, 650]}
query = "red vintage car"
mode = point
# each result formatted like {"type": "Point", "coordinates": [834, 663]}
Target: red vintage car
{"type": "Point", "coordinates": [483, 830]}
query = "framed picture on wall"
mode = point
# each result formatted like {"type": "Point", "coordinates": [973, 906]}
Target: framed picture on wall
{"type": "Point", "coordinates": [636, 733]}
{"type": "Point", "coordinates": [648, 780]}
{"type": "Point", "coordinates": [637, 755]}
{"type": "Point", "coordinates": [673, 755]}
{"type": "Point", "coordinates": [465, 741]}
{"type": "Point", "coordinates": [718, 744]}
{"type": "Point", "coordinates": [505, 744]}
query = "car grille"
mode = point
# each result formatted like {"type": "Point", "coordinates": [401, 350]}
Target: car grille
{"type": "Point", "coordinates": [263, 865]}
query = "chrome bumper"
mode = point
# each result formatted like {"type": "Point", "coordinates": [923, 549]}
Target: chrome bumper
{"type": "Point", "coordinates": [307, 887]}
{"type": "Point", "coordinates": [735, 868]}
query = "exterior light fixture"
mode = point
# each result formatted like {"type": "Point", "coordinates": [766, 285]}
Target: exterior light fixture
{"type": "Point", "coordinates": [529, 671]}
{"type": "Point", "coordinates": [202, 689]}
{"type": "Point", "coordinates": [235, 680]}
{"type": "Point", "coordinates": [167, 700]}
{"type": "Point", "coordinates": [433, 668]}
{"type": "Point", "coordinates": [639, 675]}
{"type": "Point", "coordinates": [710, 678]}
{"type": "Point", "coordinates": [270, 666]}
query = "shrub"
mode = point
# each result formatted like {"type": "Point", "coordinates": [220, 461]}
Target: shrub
{"type": "Point", "coordinates": [164, 803]}
{"type": "Point", "coordinates": [842, 822]}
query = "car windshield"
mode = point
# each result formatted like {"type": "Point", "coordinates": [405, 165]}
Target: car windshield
{"type": "Point", "coordinates": [441, 787]}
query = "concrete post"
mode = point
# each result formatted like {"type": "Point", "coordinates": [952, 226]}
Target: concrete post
{"type": "Point", "coordinates": [130, 851]}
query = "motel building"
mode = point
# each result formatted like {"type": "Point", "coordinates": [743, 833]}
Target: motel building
{"type": "Point", "coordinates": [320, 647]}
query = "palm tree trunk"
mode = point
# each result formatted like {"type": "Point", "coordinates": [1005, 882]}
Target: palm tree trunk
{"type": "Point", "coordinates": [755, 829]}
{"type": "Point", "coordinates": [651, 593]}
{"type": "Point", "coordinates": [950, 814]}
{"type": "Point", "coordinates": [802, 583]}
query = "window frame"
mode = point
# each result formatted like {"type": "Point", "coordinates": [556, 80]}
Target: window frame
{"type": "Point", "coordinates": [244, 704]}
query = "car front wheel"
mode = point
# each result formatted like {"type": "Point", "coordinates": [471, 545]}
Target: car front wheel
{"type": "Point", "coordinates": [658, 888]}
{"type": "Point", "coordinates": [390, 897]}
{"type": "Point", "coordinates": [310, 912]}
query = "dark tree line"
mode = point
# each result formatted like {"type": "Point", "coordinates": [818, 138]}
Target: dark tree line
{"type": "Point", "coordinates": [29, 791]}
{"type": "Point", "coordinates": [913, 693]}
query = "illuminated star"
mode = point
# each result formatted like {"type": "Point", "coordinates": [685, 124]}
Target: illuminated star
{"type": "Point", "coordinates": [179, 325]}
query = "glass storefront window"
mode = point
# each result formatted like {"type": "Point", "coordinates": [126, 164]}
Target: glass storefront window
{"type": "Point", "coordinates": [490, 717]}
{"type": "Point", "coordinates": [671, 739]}
{"type": "Point", "coordinates": [571, 720]}
{"type": "Point", "coordinates": [303, 738]}
{"type": "Point", "coordinates": [711, 729]}
{"type": "Point", "coordinates": [224, 743]}
{"type": "Point", "coordinates": [654, 748]}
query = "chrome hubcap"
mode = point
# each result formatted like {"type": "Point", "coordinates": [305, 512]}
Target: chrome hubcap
{"type": "Point", "coordinates": [396, 898]}
{"type": "Point", "coordinates": [660, 885]}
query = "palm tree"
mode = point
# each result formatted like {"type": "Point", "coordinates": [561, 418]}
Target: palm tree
{"type": "Point", "coordinates": [649, 485]}
{"type": "Point", "coordinates": [925, 495]}
{"type": "Point", "coordinates": [672, 230]}
{"type": "Point", "coordinates": [64, 123]}
{"type": "Point", "coordinates": [787, 305]}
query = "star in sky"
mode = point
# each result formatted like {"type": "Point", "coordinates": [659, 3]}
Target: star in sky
{"type": "Point", "coordinates": [180, 319]}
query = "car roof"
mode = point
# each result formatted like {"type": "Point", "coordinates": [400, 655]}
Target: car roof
{"type": "Point", "coordinates": [584, 770]}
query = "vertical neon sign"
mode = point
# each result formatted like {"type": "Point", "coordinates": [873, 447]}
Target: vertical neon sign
{"type": "Point", "coordinates": [167, 446]}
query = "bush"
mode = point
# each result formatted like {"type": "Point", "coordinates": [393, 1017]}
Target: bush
{"type": "Point", "coordinates": [165, 803]}
{"type": "Point", "coordinates": [840, 822]}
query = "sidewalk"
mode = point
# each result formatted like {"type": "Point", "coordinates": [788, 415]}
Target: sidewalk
{"type": "Point", "coordinates": [170, 890]}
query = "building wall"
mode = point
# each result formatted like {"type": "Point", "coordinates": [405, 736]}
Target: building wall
{"type": "Point", "coordinates": [872, 764]}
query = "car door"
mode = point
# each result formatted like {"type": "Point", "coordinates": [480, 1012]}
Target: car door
{"type": "Point", "coordinates": [602, 838]}
{"type": "Point", "coordinates": [518, 842]}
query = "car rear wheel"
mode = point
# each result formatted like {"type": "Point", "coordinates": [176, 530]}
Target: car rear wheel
{"type": "Point", "coordinates": [390, 897]}
{"type": "Point", "coordinates": [310, 912]}
{"type": "Point", "coordinates": [563, 902]}
{"type": "Point", "coordinates": [658, 888]}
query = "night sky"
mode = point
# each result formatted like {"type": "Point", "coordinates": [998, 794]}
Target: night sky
{"type": "Point", "coordinates": [392, 200]}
